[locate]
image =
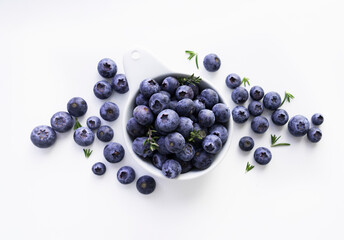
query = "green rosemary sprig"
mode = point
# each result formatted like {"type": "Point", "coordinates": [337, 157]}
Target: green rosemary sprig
{"type": "Point", "coordinates": [249, 167]}
{"type": "Point", "coordinates": [188, 80]}
{"type": "Point", "coordinates": [191, 55]}
{"type": "Point", "coordinates": [87, 152]}
{"type": "Point", "coordinates": [245, 81]}
{"type": "Point", "coordinates": [274, 139]}
{"type": "Point", "coordinates": [77, 124]}
{"type": "Point", "coordinates": [195, 134]}
{"type": "Point", "coordinates": [151, 140]}
{"type": "Point", "coordinates": [287, 97]}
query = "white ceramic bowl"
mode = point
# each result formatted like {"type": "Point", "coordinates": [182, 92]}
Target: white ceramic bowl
{"type": "Point", "coordinates": [136, 69]}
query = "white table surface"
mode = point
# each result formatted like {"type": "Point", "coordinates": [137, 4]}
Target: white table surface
{"type": "Point", "coordinates": [49, 53]}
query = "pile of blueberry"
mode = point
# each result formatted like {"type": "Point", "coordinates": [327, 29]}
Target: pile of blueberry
{"type": "Point", "coordinates": [44, 136]}
{"type": "Point", "coordinates": [177, 125]}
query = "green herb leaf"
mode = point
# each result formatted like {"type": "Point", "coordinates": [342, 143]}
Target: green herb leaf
{"type": "Point", "coordinates": [245, 81]}
{"type": "Point", "coordinates": [87, 152]}
{"type": "Point", "coordinates": [189, 80]}
{"type": "Point", "coordinates": [151, 139]}
{"type": "Point", "coordinates": [191, 55]}
{"type": "Point", "coordinates": [287, 97]}
{"type": "Point", "coordinates": [76, 124]}
{"type": "Point", "coordinates": [281, 144]}
{"type": "Point", "coordinates": [274, 139]}
{"type": "Point", "coordinates": [249, 167]}
{"type": "Point", "coordinates": [195, 134]}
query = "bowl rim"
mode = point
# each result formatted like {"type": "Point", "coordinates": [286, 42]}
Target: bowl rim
{"type": "Point", "coordinates": [149, 166]}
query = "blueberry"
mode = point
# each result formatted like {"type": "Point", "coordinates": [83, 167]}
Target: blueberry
{"type": "Point", "coordinates": [171, 168]}
{"type": "Point", "coordinates": [185, 127]}
{"type": "Point", "coordinates": [170, 84]}
{"type": "Point", "coordinates": [210, 97]}
{"type": "Point", "coordinates": [109, 111]}
{"type": "Point", "coordinates": [314, 134]}
{"type": "Point", "coordinates": [120, 84]}
{"type": "Point", "coordinates": [141, 147]}
{"type": "Point", "coordinates": [145, 184]}
{"type": "Point", "coordinates": [255, 108]}
{"type": "Point", "coordinates": [43, 136]}
{"type": "Point", "coordinates": [272, 100]}
{"type": "Point", "coordinates": [77, 107]}
{"type": "Point", "coordinates": [220, 131]}
{"type": "Point", "coordinates": [99, 168]}
{"type": "Point", "coordinates": [262, 155]}
{"type": "Point", "coordinates": [298, 126]}
{"type": "Point", "coordinates": [184, 91]}
{"type": "Point", "coordinates": [193, 118]}
{"type": "Point", "coordinates": [203, 132]}
{"type": "Point", "coordinates": [256, 93]}
{"type": "Point", "coordinates": [187, 153]}
{"type": "Point", "coordinates": [233, 81]}
{"type": "Point", "coordinates": [143, 115]}
{"type": "Point", "coordinates": [174, 142]}
{"type": "Point", "coordinates": [166, 93]}
{"type": "Point", "coordinates": [186, 165]}
{"type": "Point", "coordinates": [162, 148]}
{"type": "Point", "coordinates": [246, 143]}
{"type": "Point", "coordinates": [135, 129]}
{"type": "Point", "coordinates": [211, 62]}
{"type": "Point", "coordinates": [317, 119]}
{"type": "Point", "coordinates": [102, 89]}
{"type": "Point", "coordinates": [93, 122]}
{"type": "Point", "coordinates": [240, 114]}
{"type": "Point", "coordinates": [239, 95]}
{"type": "Point", "coordinates": [126, 175]}
{"type": "Point", "coordinates": [206, 118]}
{"type": "Point", "coordinates": [259, 124]}
{"type": "Point", "coordinates": [280, 117]}
{"type": "Point", "coordinates": [167, 120]}
{"type": "Point", "coordinates": [107, 68]}
{"type": "Point", "coordinates": [148, 87]}
{"type": "Point", "coordinates": [113, 152]}
{"type": "Point", "coordinates": [221, 112]}
{"type": "Point", "coordinates": [173, 105]}
{"type": "Point", "coordinates": [185, 107]}
{"type": "Point", "coordinates": [83, 136]}
{"type": "Point", "coordinates": [61, 122]}
{"type": "Point", "coordinates": [158, 160]}
{"type": "Point", "coordinates": [158, 102]}
{"type": "Point", "coordinates": [194, 87]}
{"type": "Point", "coordinates": [202, 160]}
{"type": "Point", "coordinates": [159, 131]}
{"type": "Point", "coordinates": [212, 144]}
{"type": "Point", "coordinates": [199, 105]}
{"type": "Point", "coordinates": [141, 100]}
{"type": "Point", "coordinates": [105, 133]}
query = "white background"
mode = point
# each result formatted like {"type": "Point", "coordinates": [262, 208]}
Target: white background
{"type": "Point", "coordinates": [48, 54]}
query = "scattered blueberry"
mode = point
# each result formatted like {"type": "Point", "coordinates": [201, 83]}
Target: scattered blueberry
{"type": "Point", "coordinates": [93, 122]}
{"type": "Point", "coordinates": [260, 124]}
{"type": "Point", "coordinates": [314, 134]}
{"type": "Point", "coordinates": [317, 119]}
{"type": "Point", "coordinates": [114, 152]}
{"type": "Point", "coordinates": [212, 144]}
{"type": "Point", "coordinates": [280, 117]}
{"type": "Point", "coordinates": [145, 184]}
{"type": "Point", "coordinates": [102, 89]}
{"type": "Point", "coordinates": [262, 155]}
{"type": "Point", "coordinates": [202, 160]}
{"type": "Point", "coordinates": [184, 91]}
{"type": "Point", "coordinates": [158, 102]}
{"type": "Point", "coordinates": [83, 136]}
{"type": "Point", "coordinates": [220, 131]}
{"type": "Point", "coordinates": [272, 100]}
{"type": "Point", "coordinates": [211, 62]}
{"type": "Point", "coordinates": [256, 93]}
{"type": "Point", "coordinates": [158, 160]}
{"type": "Point", "coordinates": [135, 129]}
{"type": "Point", "coordinates": [170, 84]}
{"type": "Point", "coordinates": [99, 168]}
{"type": "Point", "coordinates": [107, 68]}
{"type": "Point", "coordinates": [206, 118]}
{"type": "Point", "coordinates": [221, 112]}
{"type": "Point", "coordinates": [246, 143]}
{"type": "Point", "coordinates": [126, 175]}
{"type": "Point", "coordinates": [239, 95]}
{"type": "Point", "coordinates": [187, 153]}
{"type": "Point", "coordinates": [141, 100]}
{"type": "Point", "coordinates": [240, 114]}
{"type": "Point", "coordinates": [141, 147]}
{"type": "Point", "coordinates": [43, 136]}
{"type": "Point", "coordinates": [255, 108]}
{"type": "Point", "coordinates": [171, 168]}
{"type": "Point", "coordinates": [210, 97]}
{"type": "Point", "coordinates": [174, 142]}
{"type": "Point", "coordinates": [298, 126]}
{"type": "Point", "coordinates": [109, 111]}
{"type": "Point", "coordinates": [167, 120]}
{"type": "Point", "coordinates": [148, 87]}
{"type": "Point", "coordinates": [62, 122]}
{"type": "Point", "coordinates": [185, 107]}
{"type": "Point", "coordinates": [120, 84]}
{"type": "Point", "coordinates": [105, 133]}
{"type": "Point", "coordinates": [233, 81]}
{"type": "Point", "coordinates": [77, 107]}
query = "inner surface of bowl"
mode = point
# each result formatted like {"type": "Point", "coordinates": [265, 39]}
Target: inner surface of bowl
{"type": "Point", "coordinates": [147, 165]}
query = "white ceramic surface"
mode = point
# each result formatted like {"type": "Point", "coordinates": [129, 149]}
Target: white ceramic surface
{"type": "Point", "coordinates": [139, 65]}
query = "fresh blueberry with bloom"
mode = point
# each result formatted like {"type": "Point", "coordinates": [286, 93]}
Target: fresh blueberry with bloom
{"type": "Point", "coordinates": [43, 136]}
{"type": "Point", "coordinates": [141, 147]}
{"type": "Point", "coordinates": [256, 93]}
{"type": "Point", "coordinates": [102, 89]}
{"type": "Point", "coordinates": [246, 143]}
{"type": "Point", "coordinates": [62, 122]}
{"type": "Point", "coordinates": [83, 136]}
{"type": "Point", "coordinates": [120, 84]}
{"type": "Point", "coordinates": [166, 93]}
{"type": "Point", "coordinates": [239, 95]}
{"type": "Point", "coordinates": [99, 168]}
{"type": "Point", "coordinates": [171, 168]}
{"type": "Point", "coordinates": [135, 129]}
{"type": "Point", "coordinates": [255, 108]}
{"type": "Point", "coordinates": [221, 112]}
{"type": "Point", "coordinates": [158, 160]}
{"type": "Point", "coordinates": [109, 111]}
{"type": "Point", "coordinates": [233, 81]}
{"type": "Point", "coordinates": [158, 102]}
{"type": "Point", "coordinates": [260, 124]}
{"type": "Point", "coordinates": [186, 165]}
{"type": "Point", "coordinates": [105, 133]}
{"type": "Point", "coordinates": [141, 100]}
{"type": "Point", "coordinates": [262, 155]}
{"type": "Point", "coordinates": [194, 87]}
{"type": "Point", "coordinates": [173, 105]}
{"type": "Point", "coordinates": [202, 160]}
{"type": "Point", "coordinates": [185, 107]}
{"type": "Point", "coordinates": [210, 97]}
{"type": "Point", "coordinates": [317, 119]}
{"type": "Point", "coordinates": [167, 120]}
{"type": "Point", "coordinates": [298, 126]}
{"type": "Point", "coordinates": [93, 122]}
{"type": "Point", "coordinates": [211, 62]}
{"type": "Point", "coordinates": [280, 117]}
{"type": "Point", "coordinates": [220, 131]}
{"type": "Point", "coordinates": [240, 114]}
{"type": "Point", "coordinates": [184, 91]}
{"type": "Point", "coordinates": [146, 184]}
{"type": "Point", "coordinates": [114, 152]}
{"type": "Point", "coordinates": [185, 127]}
{"type": "Point", "coordinates": [143, 115]}
{"type": "Point", "coordinates": [126, 175]}
{"type": "Point", "coordinates": [212, 144]}
{"type": "Point", "coordinates": [162, 148]}
{"type": "Point", "coordinates": [107, 68]}
{"type": "Point", "coordinates": [206, 118]}
{"type": "Point", "coordinates": [174, 142]}
{"type": "Point", "coordinates": [170, 84]}
{"type": "Point", "coordinates": [187, 153]}
{"type": "Point", "coordinates": [199, 105]}
{"type": "Point", "coordinates": [148, 87]}
{"type": "Point", "coordinates": [314, 134]}
{"type": "Point", "coordinates": [77, 106]}
{"type": "Point", "coordinates": [272, 100]}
